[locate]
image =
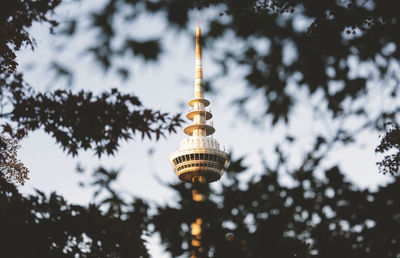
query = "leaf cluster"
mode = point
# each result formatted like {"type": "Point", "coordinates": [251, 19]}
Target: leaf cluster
{"type": "Point", "coordinates": [390, 142]}
{"type": "Point", "coordinates": [84, 121]}
{"type": "Point", "coordinates": [11, 168]}
{"type": "Point", "coordinates": [16, 16]}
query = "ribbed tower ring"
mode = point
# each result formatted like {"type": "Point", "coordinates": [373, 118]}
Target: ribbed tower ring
{"type": "Point", "coordinates": [191, 114]}
{"type": "Point", "coordinates": [205, 102]}
{"type": "Point", "coordinates": [208, 128]}
{"type": "Point", "coordinates": [208, 162]}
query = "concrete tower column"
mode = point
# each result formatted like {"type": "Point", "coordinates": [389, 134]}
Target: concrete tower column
{"type": "Point", "coordinates": [197, 225]}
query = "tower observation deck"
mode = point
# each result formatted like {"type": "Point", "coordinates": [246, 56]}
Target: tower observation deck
{"type": "Point", "coordinates": [199, 155]}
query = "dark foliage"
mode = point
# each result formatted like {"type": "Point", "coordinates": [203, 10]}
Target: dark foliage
{"type": "Point", "coordinates": [309, 44]}
{"type": "Point", "coordinates": [11, 168]}
{"type": "Point", "coordinates": [309, 216]}
{"type": "Point", "coordinates": [390, 143]}
{"type": "Point", "coordinates": [16, 16]}
{"type": "Point", "coordinates": [47, 226]}
{"type": "Point", "coordinates": [312, 217]}
{"type": "Point", "coordinates": [41, 226]}
{"type": "Point", "coordinates": [331, 49]}
{"type": "Point", "coordinates": [83, 121]}
{"type": "Point", "coordinates": [76, 120]}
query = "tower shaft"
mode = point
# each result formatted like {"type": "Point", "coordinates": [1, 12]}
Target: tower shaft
{"type": "Point", "coordinates": [198, 197]}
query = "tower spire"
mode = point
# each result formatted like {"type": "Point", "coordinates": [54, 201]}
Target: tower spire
{"type": "Point", "coordinates": [198, 87]}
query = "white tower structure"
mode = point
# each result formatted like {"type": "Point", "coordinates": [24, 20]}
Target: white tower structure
{"type": "Point", "coordinates": [200, 155]}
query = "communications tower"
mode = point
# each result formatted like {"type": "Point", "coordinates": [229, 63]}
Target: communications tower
{"type": "Point", "coordinates": [200, 159]}
{"type": "Point", "coordinates": [199, 154]}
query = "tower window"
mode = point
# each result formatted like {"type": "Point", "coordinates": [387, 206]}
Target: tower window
{"type": "Point", "coordinates": [187, 157]}
{"type": "Point", "coordinates": [179, 160]}
{"type": "Point", "coordinates": [183, 158]}
{"type": "Point", "coordinates": [196, 155]}
{"type": "Point", "coordinates": [191, 156]}
{"type": "Point", "coordinates": [201, 156]}
{"type": "Point", "coordinates": [206, 156]}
